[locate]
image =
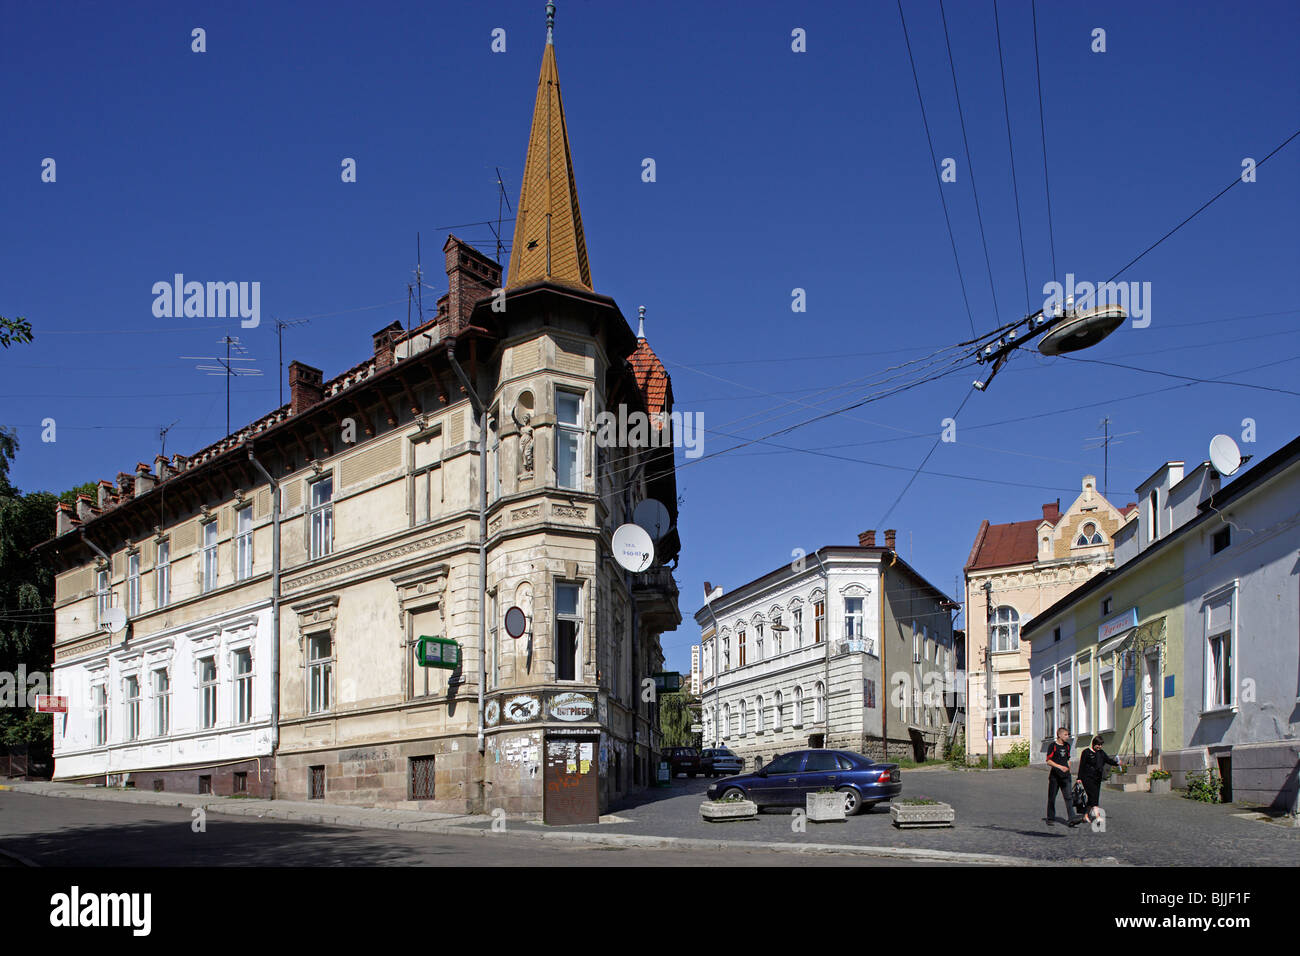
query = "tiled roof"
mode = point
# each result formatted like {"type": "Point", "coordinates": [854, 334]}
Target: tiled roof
{"type": "Point", "coordinates": [651, 377]}
{"type": "Point", "coordinates": [1000, 545]}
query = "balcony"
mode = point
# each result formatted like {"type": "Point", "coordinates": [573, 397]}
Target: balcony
{"type": "Point", "coordinates": [857, 646]}
{"type": "Point", "coordinates": [655, 593]}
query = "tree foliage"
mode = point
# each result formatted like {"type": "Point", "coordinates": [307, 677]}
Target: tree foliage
{"type": "Point", "coordinates": [675, 718]}
{"type": "Point", "coordinates": [15, 330]}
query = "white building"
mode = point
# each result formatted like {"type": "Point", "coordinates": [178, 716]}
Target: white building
{"type": "Point", "coordinates": [799, 658]}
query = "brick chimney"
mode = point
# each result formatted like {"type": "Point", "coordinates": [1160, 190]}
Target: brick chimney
{"type": "Point", "coordinates": [385, 340]}
{"type": "Point", "coordinates": [867, 539]}
{"type": "Point", "coordinates": [470, 276]}
{"type": "Point", "coordinates": [144, 479]}
{"type": "Point", "coordinates": [889, 538]}
{"type": "Point", "coordinates": [125, 486]}
{"type": "Point", "coordinates": [63, 513]}
{"type": "Point", "coordinates": [1052, 511]}
{"type": "Point", "coordinates": [84, 508]}
{"type": "Point", "coordinates": [306, 387]}
{"type": "Point", "coordinates": [179, 463]}
{"type": "Point", "coordinates": [105, 490]}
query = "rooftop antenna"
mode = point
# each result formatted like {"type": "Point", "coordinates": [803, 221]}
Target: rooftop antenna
{"type": "Point", "coordinates": [419, 281]}
{"type": "Point", "coordinates": [501, 198]}
{"type": "Point", "coordinates": [279, 338]}
{"type": "Point", "coordinates": [227, 366]}
{"type": "Point", "coordinates": [1104, 441]}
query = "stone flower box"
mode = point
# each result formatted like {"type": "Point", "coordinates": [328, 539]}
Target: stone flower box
{"type": "Point", "coordinates": [908, 815]}
{"type": "Point", "coordinates": [720, 811]}
{"type": "Point", "coordinates": [825, 807]}
{"type": "Point", "coordinates": [1161, 786]}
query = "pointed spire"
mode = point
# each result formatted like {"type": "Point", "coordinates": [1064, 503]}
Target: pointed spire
{"type": "Point", "coordinates": [549, 243]}
{"type": "Point", "coordinates": [640, 329]}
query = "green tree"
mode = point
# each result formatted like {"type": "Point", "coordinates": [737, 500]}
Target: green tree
{"type": "Point", "coordinates": [675, 718]}
{"type": "Point", "coordinates": [16, 330]}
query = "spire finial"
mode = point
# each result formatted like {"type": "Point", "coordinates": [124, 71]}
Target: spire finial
{"type": "Point", "coordinates": [640, 329]}
{"type": "Point", "coordinates": [550, 21]}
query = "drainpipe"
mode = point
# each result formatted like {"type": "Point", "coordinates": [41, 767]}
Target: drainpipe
{"type": "Point", "coordinates": [826, 638]}
{"type": "Point", "coordinates": [884, 674]}
{"type": "Point", "coordinates": [482, 531]}
{"type": "Point", "coordinates": [275, 602]}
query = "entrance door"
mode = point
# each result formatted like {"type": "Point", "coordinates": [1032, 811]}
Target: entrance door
{"type": "Point", "coordinates": [1151, 702]}
{"type": "Point", "coordinates": [571, 778]}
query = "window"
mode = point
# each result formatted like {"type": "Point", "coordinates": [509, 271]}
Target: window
{"type": "Point", "coordinates": [568, 440]}
{"type": "Point", "coordinates": [758, 641]}
{"type": "Point", "coordinates": [1007, 718]}
{"type": "Point", "coordinates": [209, 556]}
{"type": "Point", "coordinates": [426, 477]}
{"type": "Point", "coordinates": [241, 781]}
{"type": "Point", "coordinates": [758, 714]}
{"type": "Point", "coordinates": [1085, 705]}
{"type": "Point", "coordinates": [1222, 539]}
{"type": "Point", "coordinates": [744, 717]}
{"type": "Point", "coordinates": [798, 627]}
{"type": "Point", "coordinates": [103, 598]}
{"type": "Point", "coordinates": [205, 784]}
{"type": "Point", "coordinates": [798, 707]}
{"type": "Point", "coordinates": [133, 584]}
{"type": "Point", "coordinates": [1049, 715]}
{"type": "Point", "coordinates": [422, 778]}
{"type": "Point", "coordinates": [821, 760]}
{"type": "Point", "coordinates": [1005, 626]}
{"type": "Point", "coordinates": [740, 642]}
{"type": "Point", "coordinates": [1218, 653]}
{"type": "Point", "coordinates": [726, 653]}
{"type": "Point", "coordinates": [99, 704]}
{"type": "Point", "coordinates": [162, 703]}
{"type": "Point", "coordinates": [1105, 701]}
{"type": "Point", "coordinates": [1056, 634]}
{"type": "Point", "coordinates": [316, 782]}
{"type": "Point", "coordinates": [776, 634]}
{"type": "Point", "coordinates": [243, 686]}
{"type": "Point", "coordinates": [1088, 535]}
{"type": "Point", "coordinates": [320, 519]}
{"type": "Point", "coordinates": [163, 574]}
{"type": "Point", "coordinates": [1107, 605]}
{"type": "Point", "coordinates": [208, 692]}
{"type": "Point", "coordinates": [1153, 516]}
{"type": "Point", "coordinates": [320, 672]}
{"type": "Point", "coordinates": [494, 640]}
{"type": "Point", "coordinates": [244, 543]}
{"type": "Point", "coordinates": [776, 712]}
{"type": "Point", "coordinates": [131, 691]}
{"type": "Point", "coordinates": [568, 620]}
{"type": "Point", "coordinates": [494, 454]}
{"type": "Point", "coordinates": [853, 619]}
{"type": "Point", "coordinates": [726, 720]}
{"type": "Point", "coordinates": [1064, 689]}
{"type": "Point", "coordinates": [819, 700]}
{"type": "Point", "coordinates": [786, 763]}
{"type": "Point", "coordinates": [819, 620]}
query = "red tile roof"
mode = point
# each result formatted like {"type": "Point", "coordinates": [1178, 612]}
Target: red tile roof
{"type": "Point", "coordinates": [1000, 545]}
{"type": "Point", "coordinates": [651, 377]}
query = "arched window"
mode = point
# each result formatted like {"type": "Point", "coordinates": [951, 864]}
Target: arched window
{"type": "Point", "coordinates": [1089, 535]}
{"type": "Point", "coordinates": [798, 707]}
{"type": "Point", "coordinates": [758, 636]}
{"type": "Point", "coordinates": [776, 712]}
{"type": "Point", "coordinates": [740, 643]}
{"type": "Point", "coordinates": [744, 718]}
{"type": "Point", "coordinates": [819, 699]}
{"type": "Point", "coordinates": [726, 721]}
{"type": "Point", "coordinates": [758, 714]}
{"type": "Point", "coordinates": [1005, 626]}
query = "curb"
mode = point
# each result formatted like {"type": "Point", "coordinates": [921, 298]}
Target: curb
{"type": "Point", "coordinates": [224, 807]}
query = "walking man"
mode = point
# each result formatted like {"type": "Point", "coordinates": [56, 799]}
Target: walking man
{"type": "Point", "coordinates": [1058, 778]}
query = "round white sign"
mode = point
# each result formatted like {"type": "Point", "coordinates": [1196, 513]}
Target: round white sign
{"type": "Point", "coordinates": [633, 548]}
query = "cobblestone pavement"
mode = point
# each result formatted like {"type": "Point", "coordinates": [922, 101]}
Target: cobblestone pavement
{"type": "Point", "coordinates": [999, 812]}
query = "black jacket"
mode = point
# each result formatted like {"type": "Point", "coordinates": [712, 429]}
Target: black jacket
{"type": "Point", "coordinates": [1092, 764]}
{"type": "Point", "coordinates": [1059, 753]}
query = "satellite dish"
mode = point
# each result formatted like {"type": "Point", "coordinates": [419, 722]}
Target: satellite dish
{"type": "Point", "coordinates": [114, 619]}
{"type": "Point", "coordinates": [516, 622]}
{"type": "Point", "coordinates": [653, 517]}
{"type": "Point", "coordinates": [633, 548]}
{"type": "Point", "coordinates": [1224, 455]}
{"type": "Point", "coordinates": [1082, 330]}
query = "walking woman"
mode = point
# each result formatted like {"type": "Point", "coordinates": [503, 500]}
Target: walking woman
{"type": "Point", "coordinates": [1092, 767]}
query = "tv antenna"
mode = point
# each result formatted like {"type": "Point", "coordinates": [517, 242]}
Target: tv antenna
{"type": "Point", "coordinates": [280, 326]}
{"type": "Point", "coordinates": [502, 199]}
{"type": "Point", "coordinates": [235, 352]}
{"type": "Point", "coordinates": [1104, 441]}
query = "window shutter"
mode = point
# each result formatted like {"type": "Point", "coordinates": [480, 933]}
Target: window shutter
{"type": "Point", "coordinates": [1218, 616]}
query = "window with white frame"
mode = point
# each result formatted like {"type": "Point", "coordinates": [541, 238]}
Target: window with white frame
{"type": "Point", "coordinates": [744, 717]}
{"type": "Point", "coordinates": [426, 477]}
{"type": "Point", "coordinates": [131, 702]}
{"type": "Point", "coordinates": [1007, 718]}
{"type": "Point", "coordinates": [726, 653]}
{"type": "Point", "coordinates": [1085, 702]}
{"type": "Point", "coordinates": [163, 574]}
{"type": "Point", "coordinates": [320, 517]}
{"type": "Point", "coordinates": [1105, 700]}
{"type": "Point", "coordinates": [819, 702]}
{"type": "Point", "coordinates": [1219, 649]}
{"type": "Point", "coordinates": [103, 597]}
{"type": "Point", "coordinates": [99, 706]}
{"type": "Point", "coordinates": [1088, 535]}
{"type": "Point", "coordinates": [776, 635]}
{"type": "Point", "coordinates": [758, 714]}
{"type": "Point", "coordinates": [819, 621]}
{"type": "Point", "coordinates": [1049, 705]}
{"type": "Point", "coordinates": [853, 619]}
{"type": "Point", "coordinates": [797, 614]}
{"type": "Point", "coordinates": [243, 686]}
{"type": "Point", "coordinates": [777, 722]}
{"type": "Point", "coordinates": [1153, 516]}
{"type": "Point", "coordinates": [244, 543]}
{"type": "Point", "coordinates": [758, 641]}
{"type": "Point", "coordinates": [1005, 625]}
{"type": "Point", "coordinates": [208, 692]}
{"type": "Point", "coordinates": [1064, 695]}
{"type": "Point", "coordinates": [320, 673]}
{"type": "Point", "coordinates": [133, 584]}
{"type": "Point", "coordinates": [162, 703]}
{"type": "Point", "coordinates": [568, 439]}
{"type": "Point", "coordinates": [798, 707]}
{"type": "Point", "coordinates": [568, 624]}
{"type": "Point", "coordinates": [740, 646]}
{"type": "Point", "coordinates": [209, 556]}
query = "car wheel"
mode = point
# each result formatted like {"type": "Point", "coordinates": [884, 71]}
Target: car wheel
{"type": "Point", "coordinates": [852, 801]}
{"type": "Point", "coordinates": [733, 792]}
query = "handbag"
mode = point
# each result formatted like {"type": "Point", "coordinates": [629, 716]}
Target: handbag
{"type": "Point", "coordinates": [1079, 797]}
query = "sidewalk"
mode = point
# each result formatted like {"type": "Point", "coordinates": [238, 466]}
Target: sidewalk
{"type": "Point", "coordinates": [448, 824]}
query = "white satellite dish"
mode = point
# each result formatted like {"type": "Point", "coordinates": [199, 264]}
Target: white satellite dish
{"type": "Point", "coordinates": [1082, 330]}
{"type": "Point", "coordinates": [1225, 456]}
{"type": "Point", "coordinates": [114, 619]}
{"type": "Point", "coordinates": [653, 517]}
{"type": "Point", "coordinates": [633, 548]}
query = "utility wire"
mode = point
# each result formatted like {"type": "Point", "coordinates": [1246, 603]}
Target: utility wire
{"type": "Point", "coordinates": [1006, 109]}
{"type": "Point", "coordinates": [1042, 125]}
{"type": "Point", "coordinates": [890, 509]}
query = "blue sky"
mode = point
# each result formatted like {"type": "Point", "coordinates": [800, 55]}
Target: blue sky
{"type": "Point", "coordinates": [775, 170]}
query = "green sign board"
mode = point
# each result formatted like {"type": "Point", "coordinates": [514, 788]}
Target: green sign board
{"type": "Point", "coordinates": [668, 682]}
{"type": "Point", "coordinates": [438, 652]}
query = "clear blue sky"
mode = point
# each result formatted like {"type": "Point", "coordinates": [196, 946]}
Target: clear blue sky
{"type": "Point", "coordinates": [775, 170]}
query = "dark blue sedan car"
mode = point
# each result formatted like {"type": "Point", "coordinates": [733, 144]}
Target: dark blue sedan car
{"type": "Point", "coordinates": [789, 777]}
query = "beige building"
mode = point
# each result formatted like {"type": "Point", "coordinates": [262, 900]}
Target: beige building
{"type": "Point", "coordinates": [1014, 572]}
{"type": "Point", "coordinates": [279, 585]}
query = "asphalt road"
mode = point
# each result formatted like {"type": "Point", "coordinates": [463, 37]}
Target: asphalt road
{"type": "Point", "coordinates": [52, 832]}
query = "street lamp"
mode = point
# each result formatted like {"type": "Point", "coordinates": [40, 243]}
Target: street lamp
{"type": "Point", "coordinates": [1068, 331]}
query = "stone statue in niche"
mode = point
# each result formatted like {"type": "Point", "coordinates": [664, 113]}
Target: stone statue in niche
{"type": "Point", "coordinates": [526, 453]}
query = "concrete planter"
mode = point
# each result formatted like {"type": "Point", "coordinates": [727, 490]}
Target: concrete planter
{"type": "Point", "coordinates": [724, 810]}
{"type": "Point", "coordinates": [825, 807]}
{"type": "Point", "coordinates": [908, 815]}
{"type": "Point", "coordinates": [1161, 786]}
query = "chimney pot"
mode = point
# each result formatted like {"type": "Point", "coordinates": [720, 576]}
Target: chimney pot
{"type": "Point", "coordinates": [62, 518]}
{"type": "Point", "coordinates": [306, 387]}
{"type": "Point", "coordinates": [470, 277]}
{"type": "Point", "coordinates": [84, 508]}
{"type": "Point", "coordinates": [889, 538]}
{"type": "Point", "coordinates": [867, 539]}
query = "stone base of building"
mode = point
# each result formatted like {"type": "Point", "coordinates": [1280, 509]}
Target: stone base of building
{"type": "Point", "coordinates": [1263, 774]}
{"type": "Point", "coordinates": [254, 777]}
